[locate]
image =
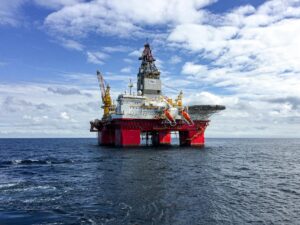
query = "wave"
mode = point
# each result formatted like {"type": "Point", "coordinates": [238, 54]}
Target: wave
{"type": "Point", "coordinates": [34, 162]}
{"type": "Point", "coordinates": [289, 191]}
{"type": "Point", "coordinates": [39, 187]}
{"type": "Point", "coordinates": [8, 185]}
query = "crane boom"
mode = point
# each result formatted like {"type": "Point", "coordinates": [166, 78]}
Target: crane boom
{"type": "Point", "coordinates": [101, 85]}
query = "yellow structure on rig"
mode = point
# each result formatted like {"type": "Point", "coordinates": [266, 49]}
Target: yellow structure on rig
{"type": "Point", "coordinates": [107, 102]}
{"type": "Point", "coordinates": [105, 95]}
{"type": "Point", "coordinates": [178, 100]}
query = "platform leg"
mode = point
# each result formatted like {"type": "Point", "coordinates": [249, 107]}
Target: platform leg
{"type": "Point", "coordinates": [99, 138]}
{"type": "Point", "coordinates": [127, 137]}
{"type": "Point", "coordinates": [161, 138]}
{"type": "Point", "coordinates": [147, 138]}
{"type": "Point", "coordinates": [155, 138]}
{"type": "Point", "coordinates": [164, 137]}
{"type": "Point", "coordinates": [191, 138]}
{"type": "Point", "coordinates": [106, 137]}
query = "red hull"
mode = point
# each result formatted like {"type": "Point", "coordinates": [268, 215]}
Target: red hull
{"type": "Point", "coordinates": [126, 132]}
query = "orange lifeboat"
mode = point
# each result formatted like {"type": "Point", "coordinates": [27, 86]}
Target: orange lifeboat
{"type": "Point", "coordinates": [169, 117]}
{"type": "Point", "coordinates": [186, 117]}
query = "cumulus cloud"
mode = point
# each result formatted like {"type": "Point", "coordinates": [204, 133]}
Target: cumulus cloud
{"type": "Point", "coordinates": [198, 37]}
{"type": "Point", "coordinates": [195, 69]}
{"type": "Point", "coordinates": [250, 55]}
{"type": "Point", "coordinates": [30, 110]}
{"type": "Point", "coordinates": [65, 116]}
{"type": "Point", "coordinates": [121, 18]}
{"type": "Point", "coordinates": [245, 58]}
{"type": "Point", "coordinates": [12, 104]}
{"type": "Point", "coordinates": [248, 51]}
{"type": "Point", "coordinates": [294, 102]}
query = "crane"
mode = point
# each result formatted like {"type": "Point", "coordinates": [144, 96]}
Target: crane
{"type": "Point", "coordinates": [101, 84]}
{"type": "Point", "coordinates": [105, 95]}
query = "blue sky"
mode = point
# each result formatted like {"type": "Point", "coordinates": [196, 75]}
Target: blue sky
{"type": "Point", "coordinates": [243, 54]}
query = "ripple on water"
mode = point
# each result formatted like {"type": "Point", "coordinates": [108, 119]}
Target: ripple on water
{"type": "Point", "coordinates": [34, 162]}
{"type": "Point", "coordinates": [74, 181]}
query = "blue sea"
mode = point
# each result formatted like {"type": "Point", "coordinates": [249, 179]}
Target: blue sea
{"type": "Point", "coordinates": [75, 181]}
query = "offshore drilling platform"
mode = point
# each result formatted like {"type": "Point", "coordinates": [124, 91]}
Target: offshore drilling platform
{"type": "Point", "coordinates": [149, 114]}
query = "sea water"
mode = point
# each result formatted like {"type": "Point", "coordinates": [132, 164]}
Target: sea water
{"type": "Point", "coordinates": [75, 181]}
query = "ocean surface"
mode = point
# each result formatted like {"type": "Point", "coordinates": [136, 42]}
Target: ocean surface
{"type": "Point", "coordinates": [74, 181]}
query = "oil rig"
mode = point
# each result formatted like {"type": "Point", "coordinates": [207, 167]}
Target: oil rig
{"type": "Point", "coordinates": [149, 114]}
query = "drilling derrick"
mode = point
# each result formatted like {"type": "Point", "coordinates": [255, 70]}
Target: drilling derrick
{"type": "Point", "coordinates": [149, 113]}
{"type": "Point", "coordinates": [148, 78]}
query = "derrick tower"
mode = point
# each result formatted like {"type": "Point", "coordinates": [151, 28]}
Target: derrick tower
{"type": "Point", "coordinates": [148, 77]}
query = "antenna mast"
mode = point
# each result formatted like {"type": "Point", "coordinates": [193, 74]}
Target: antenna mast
{"type": "Point", "coordinates": [130, 85]}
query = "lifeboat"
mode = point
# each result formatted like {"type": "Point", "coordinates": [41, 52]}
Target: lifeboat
{"type": "Point", "coordinates": [186, 117]}
{"type": "Point", "coordinates": [169, 117]}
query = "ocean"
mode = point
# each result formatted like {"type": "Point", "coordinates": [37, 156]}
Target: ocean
{"type": "Point", "coordinates": [75, 181]}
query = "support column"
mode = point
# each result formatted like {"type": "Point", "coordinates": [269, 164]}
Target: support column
{"type": "Point", "coordinates": [161, 138]}
{"type": "Point", "coordinates": [155, 138]}
{"type": "Point", "coordinates": [127, 137]}
{"type": "Point", "coordinates": [164, 137]}
{"type": "Point", "coordinates": [192, 138]}
{"type": "Point", "coordinates": [106, 136]}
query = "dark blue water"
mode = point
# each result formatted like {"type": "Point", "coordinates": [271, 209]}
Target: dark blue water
{"type": "Point", "coordinates": [74, 181]}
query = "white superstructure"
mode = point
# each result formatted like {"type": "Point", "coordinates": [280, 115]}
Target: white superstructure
{"type": "Point", "coordinates": [142, 107]}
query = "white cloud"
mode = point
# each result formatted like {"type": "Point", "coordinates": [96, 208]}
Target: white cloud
{"type": "Point", "coordinates": [136, 53]}
{"type": "Point", "coordinates": [128, 60]}
{"type": "Point", "coordinates": [96, 57]}
{"type": "Point", "coordinates": [246, 59]}
{"type": "Point", "coordinates": [83, 18]}
{"type": "Point", "coordinates": [194, 69]}
{"type": "Point", "coordinates": [10, 12]}
{"type": "Point", "coordinates": [71, 44]}
{"type": "Point", "coordinates": [251, 55]}
{"type": "Point", "coordinates": [123, 18]}
{"type": "Point", "coordinates": [67, 91]}
{"type": "Point", "coordinates": [80, 78]}
{"type": "Point", "coordinates": [175, 59]}
{"type": "Point", "coordinates": [112, 49]}
{"type": "Point", "coordinates": [207, 98]}
{"type": "Point", "coordinates": [65, 116]}
{"type": "Point", "coordinates": [56, 4]}
{"type": "Point", "coordinates": [30, 110]}
{"type": "Point", "coordinates": [197, 37]}
{"type": "Point", "coordinates": [126, 69]}
{"type": "Point", "coordinates": [159, 63]}
{"type": "Point", "coordinates": [35, 120]}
